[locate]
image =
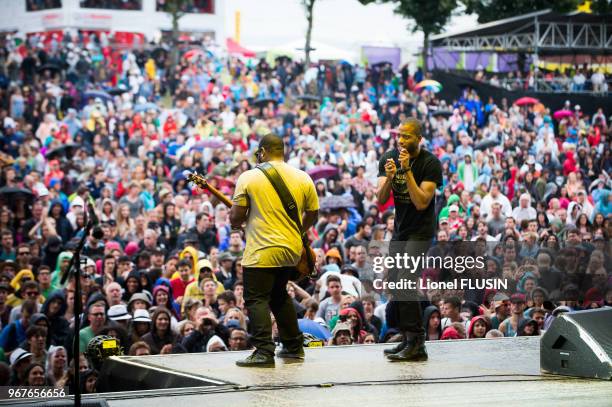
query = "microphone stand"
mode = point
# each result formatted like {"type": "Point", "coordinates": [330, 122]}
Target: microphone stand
{"type": "Point", "coordinates": [75, 263]}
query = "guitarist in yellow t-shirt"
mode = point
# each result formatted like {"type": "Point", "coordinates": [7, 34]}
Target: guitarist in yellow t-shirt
{"type": "Point", "coordinates": [273, 248]}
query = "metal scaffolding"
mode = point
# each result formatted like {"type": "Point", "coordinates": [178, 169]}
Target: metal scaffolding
{"type": "Point", "coordinates": [538, 33]}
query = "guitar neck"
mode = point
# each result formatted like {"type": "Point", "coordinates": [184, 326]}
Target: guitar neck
{"type": "Point", "coordinates": [219, 195]}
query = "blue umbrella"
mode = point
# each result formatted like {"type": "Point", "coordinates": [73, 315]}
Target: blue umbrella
{"type": "Point", "coordinates": [314, 328]}
{"type": "Point", "coordinates": [146, 107]}
{"type": "Point", "coordinates": [92, 94]}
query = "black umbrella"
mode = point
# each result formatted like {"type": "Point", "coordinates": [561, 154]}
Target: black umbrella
{"type": "Point", "coordinates": [393, 102]}
{"type": "Point", "coordinates": [157, 52]}
{"type": "Point", "coordinates": [337, 202]}
{"type": "Point", "coordinates": [117, 91]}
{"type": "Point", "coordinates": [442, 113]}
{"type": "Point", "coordinates": [339, 97]}
{"type": "Point", "coordinates": [63, 150]}
{"type": "Point", "coordinates": [310, 98]}
{"type": "Point", "coordinates": [483, 145]}
{"type": "Point", "coordinates": [11, 193]}
{"type": "Point", "coordinates": [382, 63]}
{"type": "Point", "coordinates": [49, 67]}
{"type": "Point", "coordinates": [264, 102]}
{"type": "Point", "coordinates": [93, 94]}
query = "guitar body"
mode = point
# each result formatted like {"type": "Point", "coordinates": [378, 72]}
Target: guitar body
{"type": "Point", "coordinates": [305, 266]}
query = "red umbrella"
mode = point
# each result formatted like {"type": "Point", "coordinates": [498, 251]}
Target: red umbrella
{"type": "Point", "coordinates": [560, 114]}
{"type": "Point", "coordinates": [322, 171]}
{"type": "Point", "coordinates": [526, 101]}
{"type": "Point", "coordinates": [193, 52]}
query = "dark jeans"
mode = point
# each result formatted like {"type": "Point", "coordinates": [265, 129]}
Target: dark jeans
{"type": "Point", "coordinates": [404, 310]}
{"type": "Point", "coordinates": [265, 290]}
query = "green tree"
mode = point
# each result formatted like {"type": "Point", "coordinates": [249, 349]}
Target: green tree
{"type": "Point", "coordinates": [309, 10]}
{"type": "Point", "coordinates": [491, 10]}
{"type": "Point", "coordinates": [429, 16]}
{"type": "Point", "coordinates": [601, 6]}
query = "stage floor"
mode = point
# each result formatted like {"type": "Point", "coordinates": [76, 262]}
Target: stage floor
{"type": "Point", "coordinates": [458, 373]}
{"type": "Point", "coordinates": [468, 372]}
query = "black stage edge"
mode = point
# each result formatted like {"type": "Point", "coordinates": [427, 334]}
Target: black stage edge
{"type": "Point", "coordinates": [134, 373]}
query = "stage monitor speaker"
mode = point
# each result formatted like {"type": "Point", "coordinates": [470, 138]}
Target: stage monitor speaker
{"type": "Point", "coordinates": [579, 344]}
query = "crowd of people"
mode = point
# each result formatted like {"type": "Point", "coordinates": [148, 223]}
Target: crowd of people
{"type": "Point", "coordinates": [115, 129]}
{"type": "Point", "coordinates": [579, 79]}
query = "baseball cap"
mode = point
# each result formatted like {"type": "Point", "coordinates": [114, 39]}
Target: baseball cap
{"type": "Point", "coordinates": [18, 355]}
{"type": "Point", "coordinates": [515, 298]}
{"type": "Point", "coordinates": [118, 312]}
{"type": "Point", "coordinates": [204, 263]}
{"type": "Point", "coordinates": [453, 208]}
{"type": "Point", "coordinates": [443, 220]}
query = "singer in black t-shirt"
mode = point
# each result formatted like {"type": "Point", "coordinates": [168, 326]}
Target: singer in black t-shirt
{"type": "Point", "coordinates": [412, 174]}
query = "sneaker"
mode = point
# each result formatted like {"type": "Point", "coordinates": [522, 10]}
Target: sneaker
{"type": "Point", "coordinates": [285, 353]}
{"type": "Point", "coordinates": [256, 359]}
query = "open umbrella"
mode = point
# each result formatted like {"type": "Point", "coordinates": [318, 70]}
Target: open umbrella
{"type": "Point", "coordinates": [442, 113]}
{"type": "Point", "coordinates": [119, 90]}
{"type": "Point", "coordinates": [393, 102]}
{"type": "Point", "coordinates": [560, 114]}
{"type": "Point", "coordinates": [144, 107]}
{"type": "Point", "coordinates": [524, 101]}
{"type": "Point", "coordinates": [483, 145]}
{"type": "Point", "coordinates": [339, 97]}
{"type": "Point", "coordinates": [49, 67]}
{"type": "Point", "coordinates": [209, 143]}
{"type": "Point", "coordinates": [322, 171]}
{"type": "Point", "coordinates": [92, 94]}
{"type": "Point", "coordinates": [9, 194]}
{"type": "Point", "coordinates": [309, 98]}
{"type": "Point", "coordinates": [337, 202]}
{"type": "Point", "coordinates": [264, 102]}
{"type": "Point", "coordinates": [314, 328]}
{"type": "Point", "coordinates": [428, 84]}
{"type": "Point", "coordinates": [194, 53]}
{"type": "Point", "coordinates": [66, 150]}
{"type": "Point", "coordinates": [382, 64]}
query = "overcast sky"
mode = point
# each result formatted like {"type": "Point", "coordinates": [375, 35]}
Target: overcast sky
{"type": "Point", "coordinates": [340, 23]}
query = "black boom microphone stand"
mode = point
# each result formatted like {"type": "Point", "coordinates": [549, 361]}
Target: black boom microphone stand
{"type": "Point", "coordinates": [75, 268]}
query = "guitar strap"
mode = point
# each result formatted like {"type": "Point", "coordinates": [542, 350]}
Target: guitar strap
{"type": "Point", "coordinates": [288, 203]}
{"type": "Point", "coordinates": [283, 193]}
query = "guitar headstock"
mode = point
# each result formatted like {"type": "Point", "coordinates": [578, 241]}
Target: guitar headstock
{"type": "Point", "coordinates": [197, 179]}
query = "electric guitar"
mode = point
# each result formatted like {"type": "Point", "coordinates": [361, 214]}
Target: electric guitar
{"type": "Point", "coordinates": [306, 265]}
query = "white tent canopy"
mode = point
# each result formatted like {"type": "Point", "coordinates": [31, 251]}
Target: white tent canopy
{"type": "Point", "coordinates": [321, 51]}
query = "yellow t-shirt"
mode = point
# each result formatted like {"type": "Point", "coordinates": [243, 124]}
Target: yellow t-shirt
{"type": "Point", "coordinates": [271, 238]}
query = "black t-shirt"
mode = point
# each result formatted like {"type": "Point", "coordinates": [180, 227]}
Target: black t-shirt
{"type": "Point", "coordinates": [408, 220]}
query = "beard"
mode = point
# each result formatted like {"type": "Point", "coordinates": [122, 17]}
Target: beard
{"type": "Point", "coordinates": [412, 149]}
